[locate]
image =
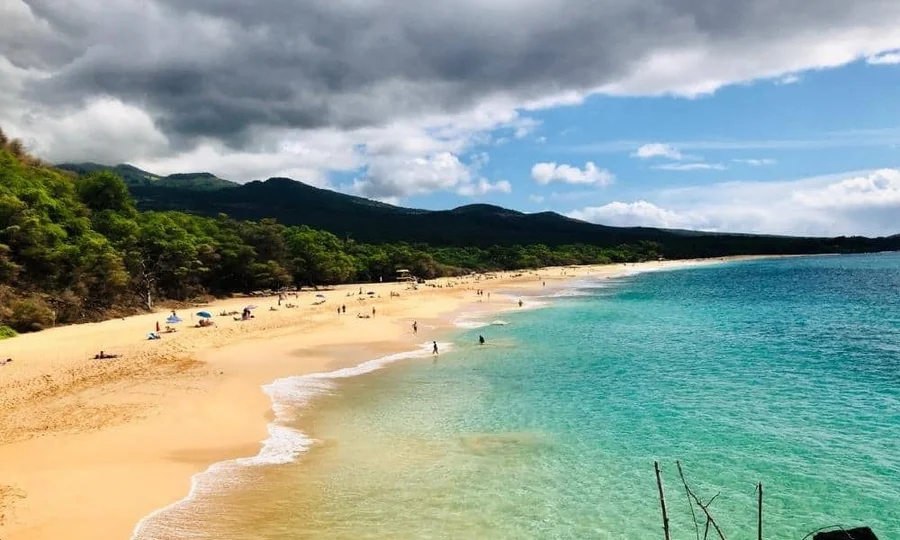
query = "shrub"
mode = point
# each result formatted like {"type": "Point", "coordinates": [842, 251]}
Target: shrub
{"type": "Point", "coordinates": [7, 332]}
{"type": "Point", "coordinates": [30, 315]}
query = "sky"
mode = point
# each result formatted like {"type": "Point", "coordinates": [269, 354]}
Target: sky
{"type": "Point", "coordinates": [749, 116]}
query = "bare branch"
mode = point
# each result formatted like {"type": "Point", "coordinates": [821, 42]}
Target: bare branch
{"type": "Point", "coordinates": [705, 509]}
{"type": "Point", "coordinates": [690, 504]}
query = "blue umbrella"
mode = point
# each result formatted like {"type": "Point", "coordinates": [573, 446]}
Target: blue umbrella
{"type": "Point", "coordinates": [173, 319]}
{"type": "Point", "coordinates": [204, 314]}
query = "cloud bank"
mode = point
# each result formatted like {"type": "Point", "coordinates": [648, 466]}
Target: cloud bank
{"type": "Point", "coordinates": [315, 87]}
{"type": "Point", "coordinates": [865, 203]}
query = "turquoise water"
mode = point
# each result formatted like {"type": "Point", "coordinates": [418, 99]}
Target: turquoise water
{"type": "Point", "coordinates": [785, 372]}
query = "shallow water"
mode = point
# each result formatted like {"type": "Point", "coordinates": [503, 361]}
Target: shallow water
{"type": "Point", "coordinates": [785, 372]}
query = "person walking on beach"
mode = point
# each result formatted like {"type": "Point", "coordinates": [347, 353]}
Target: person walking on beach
{"type": "Point", "coordinates": [373, 312]}
{"type": "Point", "coordinates": [434, 350]}
{"type": "Point", "coordinates": [520, 303]}
{"type": "Point", "coordinates": [415, 327]}
{"type": "Point", "coordinates": [344, 308]}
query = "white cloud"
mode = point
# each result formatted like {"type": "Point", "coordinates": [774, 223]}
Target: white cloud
{"type": "Point", "coordinates": [887, 58]}
{"type": "Point", "coordinates": [484, 187]}
{"type": "Point", "coordinates": [878, 189]}
{"type": "Point", "coordinates": [653, 150]}
{"type": "Point", "coordinates": [544, 173]}
{"type": "Point", "coordinates": [840, 139]}
{"type": "Point", "coordinates": [391, 177]}
{"type": "Point", "coordinates": [524, 127]}
{"type": "Point", "coordinates": [93, 133]}
{"type": "Point", "coordinates": [636, 214]}
{"type": "Point", "coordinates": [755, 162]}
{"type": "Point", "coordinates": [866, 203]}
{"type": "Point", "coordinates": [791, 78]}
{"type": "Point", "coordinates": [690, 167]}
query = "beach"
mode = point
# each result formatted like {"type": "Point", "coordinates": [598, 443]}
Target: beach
{"type": "Point", "coordinates": [88, 447]}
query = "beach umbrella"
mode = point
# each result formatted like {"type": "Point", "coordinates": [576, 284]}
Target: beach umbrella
{"type": "Point", "coordinates": [204, 314]}
{"type": "Point", "coordinates": [251, 306]}
{"type": "Point", "coordinates": [173, 319]}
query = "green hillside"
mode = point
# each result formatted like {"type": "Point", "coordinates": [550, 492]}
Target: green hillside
{"type": "Point", "coordinates": [136, 178]}
{"type": "Point", "coordinates": [295, 203]}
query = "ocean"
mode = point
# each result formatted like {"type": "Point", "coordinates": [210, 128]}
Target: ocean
{"type": "Point", "coordinates": [782, 371]}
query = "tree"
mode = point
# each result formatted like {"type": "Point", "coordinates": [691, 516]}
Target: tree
{"type": "Point", "coordinates": [103, 190]}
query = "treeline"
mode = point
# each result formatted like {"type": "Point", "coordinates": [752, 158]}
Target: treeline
{"type": "Point", "coordinates": [74, 248]}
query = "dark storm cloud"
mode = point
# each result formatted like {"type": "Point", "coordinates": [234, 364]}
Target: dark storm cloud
{"type": "Point", "coordinates": [219, 67]}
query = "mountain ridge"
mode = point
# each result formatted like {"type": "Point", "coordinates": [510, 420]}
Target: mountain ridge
{"type": "Point", "coordinates": [348, 216]}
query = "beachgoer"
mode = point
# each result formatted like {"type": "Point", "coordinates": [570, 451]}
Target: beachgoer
{"type": "Point", "coordinates": [344, 308]}
{"type": "Point", "coordinates": [434, 349]}
{"type": "Point", "coordinates": [7, 361]}
{"type": "Point", "coordinates": [415, 327]}
{"type": "Point", "coordinates": [339, 311]}
{"type": "Point", "coordinates": [520, 303]}
{"type": "Point", "coordinates": [157, 326]}
{"type": "Point", "coordinates": [373, 311]}
{"type": "Point", "coordinates": [481, 340]}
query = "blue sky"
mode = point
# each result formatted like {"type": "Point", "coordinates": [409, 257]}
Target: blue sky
{"type": "Point", "coordinates": [745, 116]}
{"type": "Point", "coordinates": [821, 123]}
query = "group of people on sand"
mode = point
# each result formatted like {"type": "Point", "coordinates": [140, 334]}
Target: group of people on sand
{"type": "Point", "coordinates": [4, 362]}
{"type": "Point", "coordinates": [246, 315]}
{"type": "Point", "coordinates": [480, 292]}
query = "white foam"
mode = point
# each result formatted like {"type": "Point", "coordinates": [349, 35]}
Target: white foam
{"type": "Point", "coordinates": [283, 445]}
{"type": "Point", "coordinates": [471, 320]}
{"type": "Point", "coordinates": [469, 324]}
{"type": "Point", "coordinates": [566, 293]}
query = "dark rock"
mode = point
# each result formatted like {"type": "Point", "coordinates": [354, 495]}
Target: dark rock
{"type": "Point", "coordinates": [862, 533]}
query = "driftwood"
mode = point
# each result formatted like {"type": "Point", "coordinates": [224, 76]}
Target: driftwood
{"type": "Point", "coordinates": [662, 499]}
{"type": "Point", "coordinates": [759, 513]}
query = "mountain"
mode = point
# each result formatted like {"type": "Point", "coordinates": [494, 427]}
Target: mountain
{"type": "Point", "coordinates": [482, 225]}
{"type": "Point", "coordinates": [134, 177]}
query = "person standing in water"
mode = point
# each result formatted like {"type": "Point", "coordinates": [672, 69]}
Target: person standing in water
{"type": "Point", "coordinates": [520, 303]}
{"type": "Point", "coordinates": [434, 349]}
{"type": "Point", "coordinates": [415, 327]}
{"type": "Point", "coordinates": [481, 340]}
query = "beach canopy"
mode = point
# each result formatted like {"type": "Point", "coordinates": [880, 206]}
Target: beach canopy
{"type": "Point", "coordinates": [204, 314]}
{"type": "Point", "coordinates": [173, 319]}
{"type": "Point", "coordinates": [251, 306]}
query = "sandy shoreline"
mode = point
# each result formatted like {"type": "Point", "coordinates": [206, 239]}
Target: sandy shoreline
{"type": "Point", "coordinates": [89, 447]}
